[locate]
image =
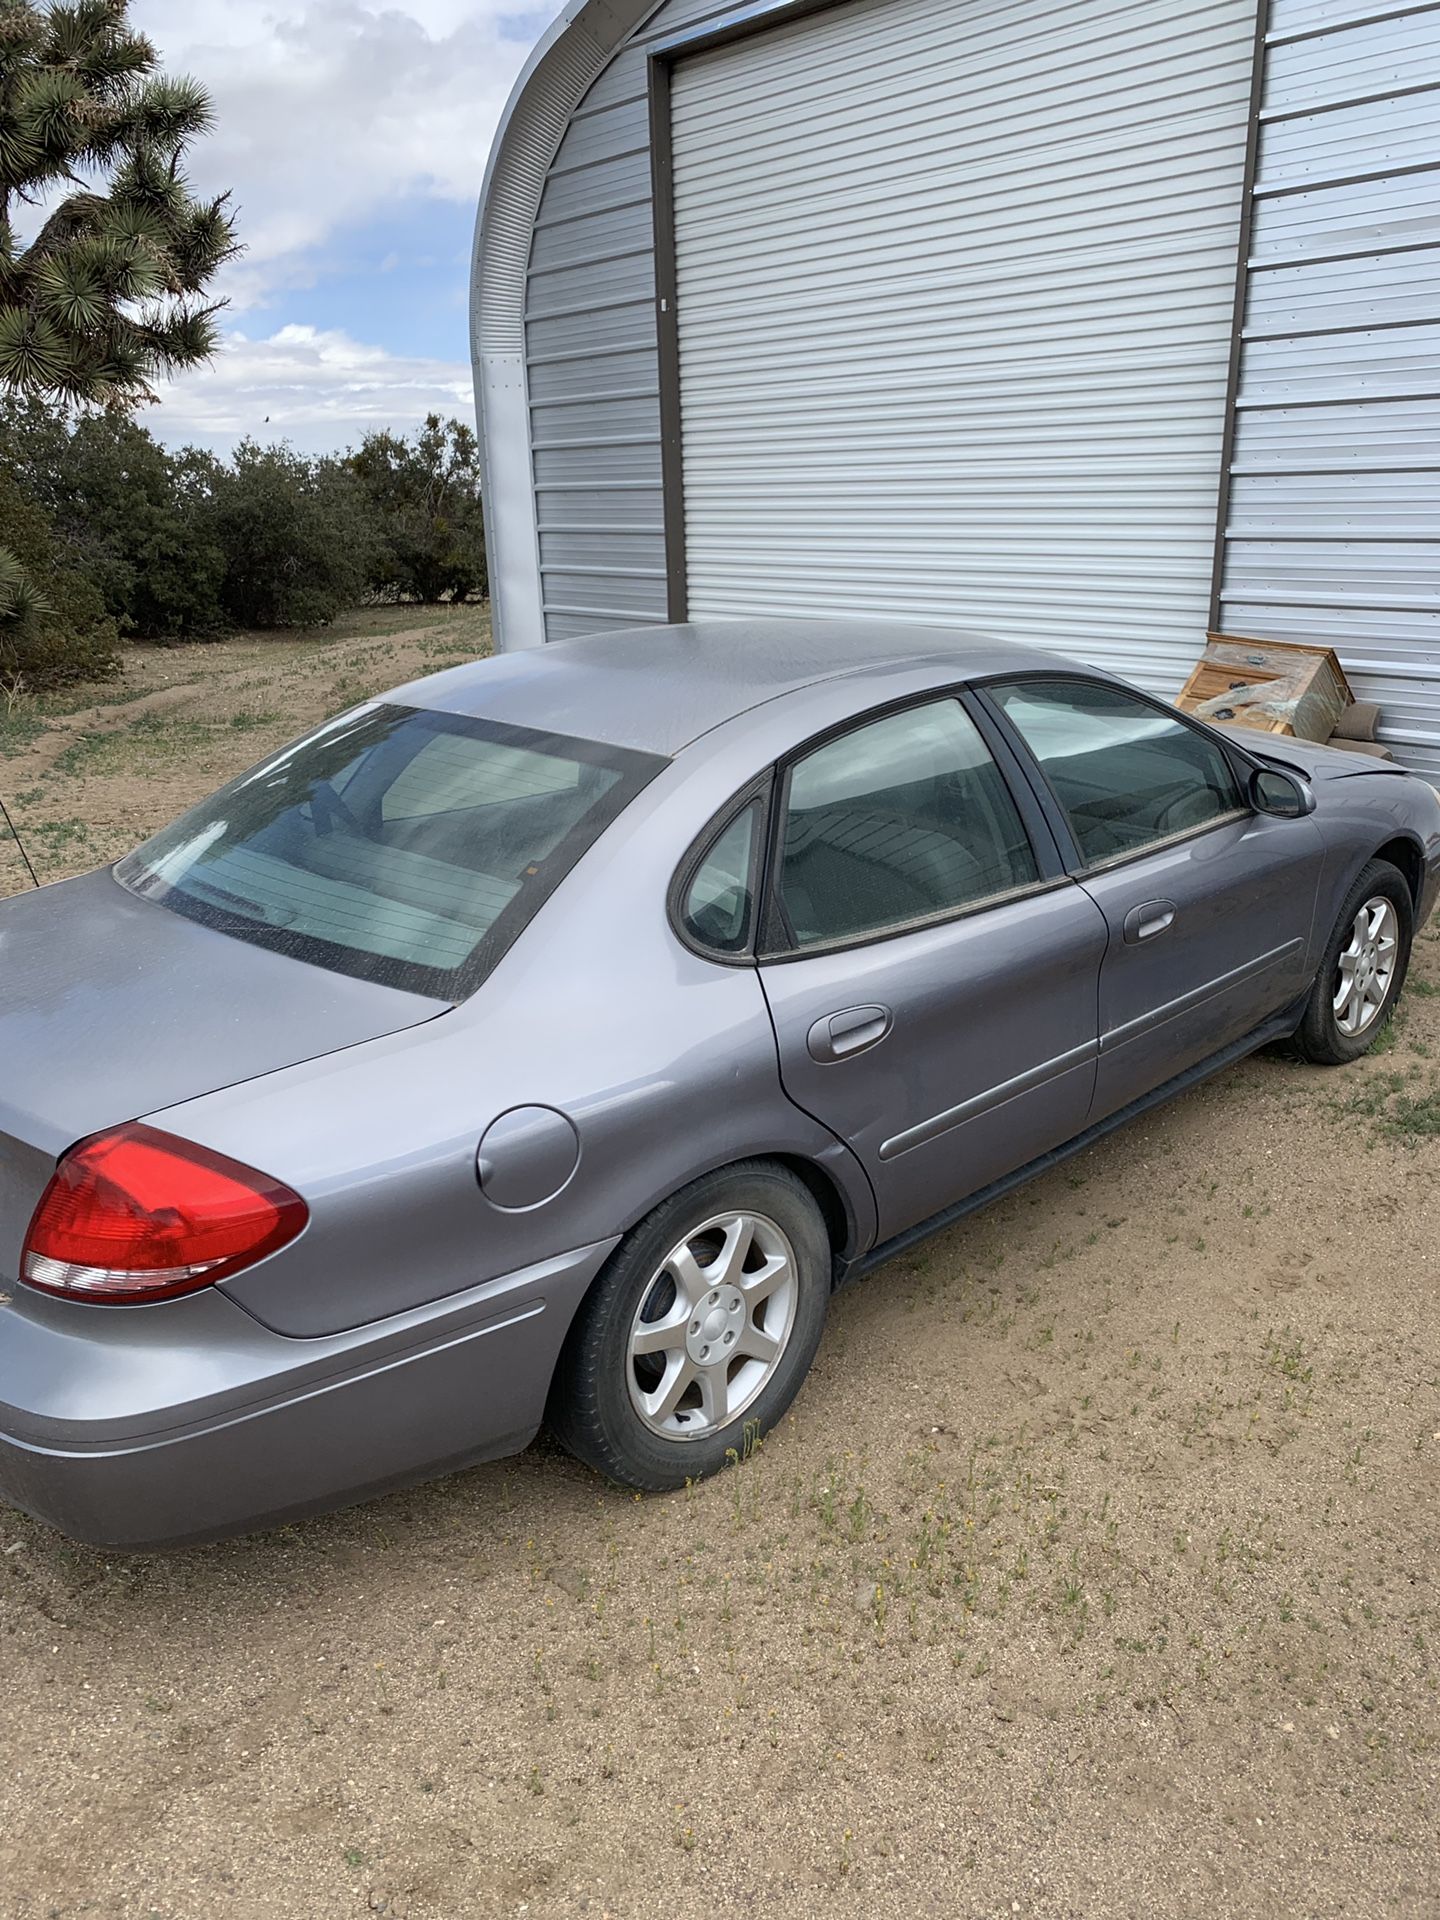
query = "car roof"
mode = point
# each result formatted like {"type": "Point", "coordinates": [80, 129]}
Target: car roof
{"type": "Point", "coordinates": [657, 689]}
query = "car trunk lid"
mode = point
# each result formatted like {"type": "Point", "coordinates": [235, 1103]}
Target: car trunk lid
{"type": "Point", "coordinates": [112, 1007]}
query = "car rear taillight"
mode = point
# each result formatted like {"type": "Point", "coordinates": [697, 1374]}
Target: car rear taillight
{"type": "Point", "coordinates": [139, 1215]}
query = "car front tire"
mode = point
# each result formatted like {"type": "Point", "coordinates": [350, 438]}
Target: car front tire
{"type": "Point", "coordinates": [1363, 970]}
{"type": "Point", "coordinates": [698, 1334]}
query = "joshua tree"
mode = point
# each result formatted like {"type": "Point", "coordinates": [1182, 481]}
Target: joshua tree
{"type": "Point", "coordinates": [105, 254]}
{"type": "Point", "coordinates": [107, 292]}
{"type": "Point", "coordinates": [21, 607]}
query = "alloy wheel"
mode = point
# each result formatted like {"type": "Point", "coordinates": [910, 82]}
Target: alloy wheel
{"type": "Point", "coordinates": [712, 1326]}
{"type": "Point", "coordinates": [1367, 966]}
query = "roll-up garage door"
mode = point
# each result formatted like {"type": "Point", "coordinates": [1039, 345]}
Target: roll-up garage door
{"type": "Point", "coordinates": [955, 292]}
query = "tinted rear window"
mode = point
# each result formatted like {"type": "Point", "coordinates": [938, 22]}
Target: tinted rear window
{"type": "Point", "coordinates": [394, 844]}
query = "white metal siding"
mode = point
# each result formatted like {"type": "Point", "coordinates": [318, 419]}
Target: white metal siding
{"type": "Point", "coordinates": [592, 355]}
{"type": "Point", "coordinates": [1334, 525]}
{"type": "Point", "coordinates": [956, 284]}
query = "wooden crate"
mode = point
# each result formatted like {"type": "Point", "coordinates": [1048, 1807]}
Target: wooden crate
{"type": "Point", "coordinates": [1316, 691]}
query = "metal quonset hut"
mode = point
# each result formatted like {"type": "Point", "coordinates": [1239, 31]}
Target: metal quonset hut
{"type": "Point", "coordinates": [973, 310]}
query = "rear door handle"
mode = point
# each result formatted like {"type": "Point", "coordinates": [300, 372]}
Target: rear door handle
{"type": "Point", "coordinates": [840, 1036]}
{"type": "Point", "coordinates": [1145, 922]}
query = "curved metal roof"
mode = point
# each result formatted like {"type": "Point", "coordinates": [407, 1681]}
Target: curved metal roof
{"type": "Point", "coordinates": [570, 55]}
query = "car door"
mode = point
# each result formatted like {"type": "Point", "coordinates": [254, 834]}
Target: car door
{"type": "Point", "coordinates": [930, 970]}
{"type": "Point", "coordinates": [1209, 905]}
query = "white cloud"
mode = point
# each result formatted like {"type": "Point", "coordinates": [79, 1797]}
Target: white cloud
{"type": "Point", "coordinates": [330, 114]}
{"type": "Point", "coordinates": [333, 111]}
{"type": "Point", "coordinates": [321, 390]}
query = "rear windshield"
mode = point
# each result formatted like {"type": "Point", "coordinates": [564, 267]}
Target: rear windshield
{"type": "Point", "coordinates": [394, 844]}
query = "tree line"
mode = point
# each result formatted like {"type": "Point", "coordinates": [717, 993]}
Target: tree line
{"type": "Point", "coordinates": [112, 535]}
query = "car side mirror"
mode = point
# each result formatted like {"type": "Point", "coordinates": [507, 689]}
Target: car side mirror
{"type": "Point", "coordinates": [1284, 795]}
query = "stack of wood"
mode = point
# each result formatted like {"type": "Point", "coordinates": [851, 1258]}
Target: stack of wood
{"type": "Point", "coordinates": [1281, 687]}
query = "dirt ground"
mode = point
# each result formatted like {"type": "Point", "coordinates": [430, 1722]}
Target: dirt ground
{"type": "Point", "coordinates": [1095, 1572]}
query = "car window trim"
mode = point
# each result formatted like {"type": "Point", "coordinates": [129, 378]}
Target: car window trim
{"type": "Point", "coordinates": [1059, 820]}
{"type": "Point", "coordinates": [1114, 860]}
{"type": "Point", "coordinates": [776, 931]}
{"type": "Point", "coordinates": [1046, 853]}
{"type": "Point", "coordinates": [923, 923]}
{"type": "Point", "coordinates": [1049, 845]}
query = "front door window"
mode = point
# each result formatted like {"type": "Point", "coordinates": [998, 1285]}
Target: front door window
{"type": "Point", "coordinates": [1127, 774]}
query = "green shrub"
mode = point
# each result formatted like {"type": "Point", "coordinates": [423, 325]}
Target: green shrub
{"type": "Point", "coordinates": [56, 629]}
{"type": "Point", "coordinates": [134, 516]}
{"type": "Point", "coordinates": [295, 534]}
{"type": "Point", "coordinates": [126, 512]}
{"type": "Point", "coordinates": [121, 535]}
{"type": "Point", "coordinates": [424, 498]}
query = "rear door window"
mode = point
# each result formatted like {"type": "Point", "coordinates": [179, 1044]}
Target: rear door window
{"type": "Point", "coordinates": [906, 819]}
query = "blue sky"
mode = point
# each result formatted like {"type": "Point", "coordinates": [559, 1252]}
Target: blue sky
{"type": "Point", "coordinates": [353, 135]}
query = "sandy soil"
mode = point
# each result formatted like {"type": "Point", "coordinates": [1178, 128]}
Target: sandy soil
{"type": "Point", "coordinates": [1095, 1572]}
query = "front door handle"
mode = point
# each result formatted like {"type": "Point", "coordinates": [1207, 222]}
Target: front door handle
{"type": "Point", "coordinates": [1145, 922]}
{"type": "Point", "coordinates": [840, 1036]}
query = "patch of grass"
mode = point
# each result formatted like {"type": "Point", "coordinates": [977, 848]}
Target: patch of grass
{"type": "Point", "coordinates": [439, 660]}
{"type": "Point", "coordinates": [1390, 1034]}
{"type": "Point", "coordinates": [1413, 1120]}
{"type": "Point", "coordinates": [59, 835]}
{"type": "Point", "coordinates": [374, 623]}
{"type": "Point", "coordinates": [81, 699]}
{"type": "Point", "coordinates": [1394, 1109]}
{"type": "Point", "coordinates": [18, 729]}
{"type": "Point", "coordinates": [74, 762]}
{"type": "Point", "coordinates": [153, 737]}
{"type": "Point", "coordinates": [354, 689]}
{"type": "Point", "coordinates": [1285, 1353]}
{"type": "Point", "coordinates": [1369, 1100]}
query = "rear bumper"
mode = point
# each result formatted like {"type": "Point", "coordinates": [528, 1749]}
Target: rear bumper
{"type": "Point", "coordinates": [146, 1427]}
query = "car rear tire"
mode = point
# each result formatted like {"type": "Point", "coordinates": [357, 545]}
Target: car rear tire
{"type": "Point", "coordinates": [699, 1332]}
{"type": "Point", "coordinates": [1363, 971]}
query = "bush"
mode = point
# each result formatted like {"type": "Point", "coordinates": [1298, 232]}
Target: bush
{"type": "Point", "coordinates": [128, 513]}
{"type": "Point", "coordinates": [424, 497]}
{"type": "Point", "coordinates": [135, 517]}
{"type": "Point", "coordinates": [297, 540]}
{"type": "Point", "coordinates": [54, 629]}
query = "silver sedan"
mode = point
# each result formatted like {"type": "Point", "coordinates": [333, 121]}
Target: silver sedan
{"type": "Point", "coordinates": [551, 1039]}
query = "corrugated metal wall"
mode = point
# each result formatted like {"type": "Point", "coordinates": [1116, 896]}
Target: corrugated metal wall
{"type": "Point", "coordinates": [592, 355]}
{"type": "Point", "coordinates": [1333, 531]}
{"type": "Point", "coordinates": [956, 289]}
